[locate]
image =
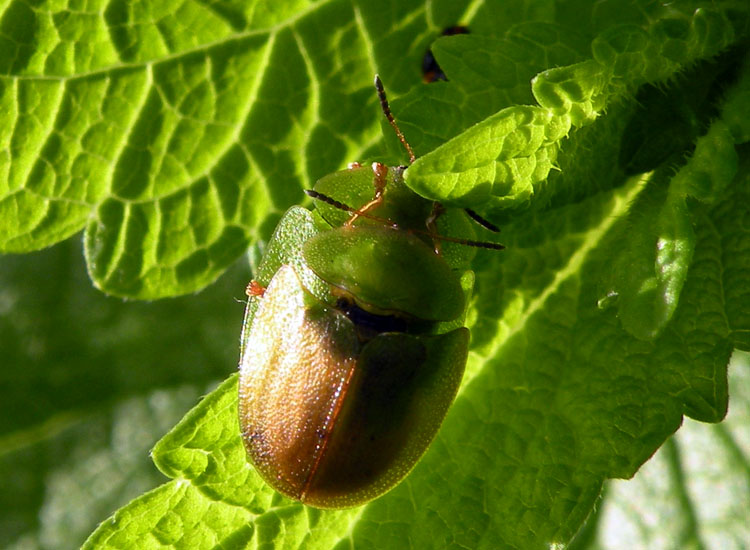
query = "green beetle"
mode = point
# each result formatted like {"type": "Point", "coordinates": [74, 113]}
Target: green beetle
{"type": "Point", "coordinates": [353, 347]}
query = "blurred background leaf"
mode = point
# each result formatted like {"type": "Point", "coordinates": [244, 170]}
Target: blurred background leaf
{"type": "Point", "coordinates": [89, 383]}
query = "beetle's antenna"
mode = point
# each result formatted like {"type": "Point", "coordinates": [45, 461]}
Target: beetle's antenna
{"type": "Point", "coordinates": [328, 200]}
{"type": "Point", "coordinates": [467, 242]}
{"type": "Point", "coordinates": [342, 206]}
{"type": "Point", "coordinates": [481, 221]}
{"type": "Point", "coordinates": [322, 197]}
{"type": "Point", "coordinates": [387, 112]}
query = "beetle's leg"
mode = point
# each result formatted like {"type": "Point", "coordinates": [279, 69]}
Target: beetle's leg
{"type": "Point", "coordinates": [379, 182]}
{"type": "Point", "coordinates": [254, 289]}
{"type": "Point", "coordinates": [431, 223]}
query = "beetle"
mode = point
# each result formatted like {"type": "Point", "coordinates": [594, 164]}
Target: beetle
{"type": "Point", "coordinates": [431, 71]}
{"type": "Point", "coordinates": [353, 344]}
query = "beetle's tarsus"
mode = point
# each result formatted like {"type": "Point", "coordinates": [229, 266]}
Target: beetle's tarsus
{"type": "Point", "coordinates": [254, 289]}
{"type": "Point", "coordinates": [379, 182]}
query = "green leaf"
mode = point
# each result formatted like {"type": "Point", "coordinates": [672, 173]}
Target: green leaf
{"type": "Point", "coordinates": [693, 493]}
{"type": "Point", "coordinates": [551, 403]}
{"type": "Point", "coordinates": [656, 251]}
{"type": "Point", "coordinates": [89, 384]}
{"type": "Point", "coordinates": [174, 141]}
{"type": "Point", "coordinates": [652, 260]}
{"type": "Point", "coordinates": [503, 156]}
{"type": "Point", "coordinates": [500, 161]}
{"type": "Point", "coordinates": [175, 136]}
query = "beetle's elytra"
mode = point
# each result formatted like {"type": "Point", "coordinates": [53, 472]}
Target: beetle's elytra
{"type": "Point", "coordinates": [352, 347]}
{"type": "Point", "coordinates": [331, 420]}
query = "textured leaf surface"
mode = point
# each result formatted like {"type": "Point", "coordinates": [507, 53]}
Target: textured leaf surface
{"type": "Point", "coordinates": [609, 140]}
{"type": "Point", "coordinates": [89, 383]}
{"type": "Point", "coordinates": [693, 493]}
{"type": "Point", "coordinates": [503, 158]}
{"type": "Point", "coordinates": [558, 396]}
{"type": "Point", "coordinates": [170, 137]}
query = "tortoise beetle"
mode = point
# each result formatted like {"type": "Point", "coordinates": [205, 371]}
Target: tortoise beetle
{"type": "Point", "coordinates": [353, 345]}
{"type": "Point", "coordinates": [431, 71]}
